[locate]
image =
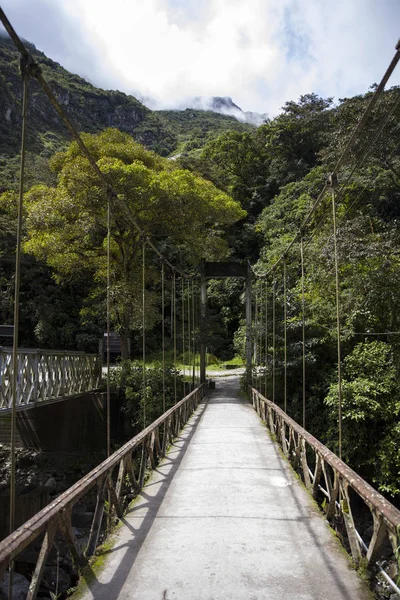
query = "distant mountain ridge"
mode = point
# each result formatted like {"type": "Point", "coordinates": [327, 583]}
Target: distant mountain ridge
{"type": "Point", "coordinates": [224, 105]}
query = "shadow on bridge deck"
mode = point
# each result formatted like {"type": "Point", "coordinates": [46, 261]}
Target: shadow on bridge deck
{"type": "Point", "coordinates": [148, 502]}
{"type": "Point", "coordinates": [224, 517]}
{"type": "Point", "coordinates": [226, 392]}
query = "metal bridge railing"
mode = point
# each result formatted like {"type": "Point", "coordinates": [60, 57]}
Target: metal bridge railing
{"type": "Point", "coordinates": [333, 479]}
{"type": "Point", "coordinates": [47, 374]}
{"type": "Point", "coordinates": [143, 451]}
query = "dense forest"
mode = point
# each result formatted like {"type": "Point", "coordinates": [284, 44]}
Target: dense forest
{"type": "Point", "coordinates": [278, 172]}
{"type": "Point", "coordinates": [245, 192]}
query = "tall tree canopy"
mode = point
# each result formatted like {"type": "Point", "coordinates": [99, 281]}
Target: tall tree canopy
{"type": "Point", "coordinates": [66, 225]}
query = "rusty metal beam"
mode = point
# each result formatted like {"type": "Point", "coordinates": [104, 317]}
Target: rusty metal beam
{"type": "Point", "coordinates": [220, 270]}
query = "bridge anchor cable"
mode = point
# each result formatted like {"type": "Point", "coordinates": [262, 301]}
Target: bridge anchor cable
{"type": "Point", "coordinates": [284, 336]}
{"type": "Point", "coordinates": [332, 180]}
{"type": "Point", "coordinates": [266, 340]}
{"type": "Point", "coordinates": [163, 331]}
{"type": "Point", "coordinates": [25, 72]}
{"type": "Point", "coordinates": [108, 317]}
{"type": "Point", "coordinates": [273, 336]}
{"type": "Point", "coordinates": [303, 326]}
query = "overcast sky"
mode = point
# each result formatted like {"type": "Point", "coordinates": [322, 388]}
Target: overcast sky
{"type": "Point", "coordinates": [260, 52]}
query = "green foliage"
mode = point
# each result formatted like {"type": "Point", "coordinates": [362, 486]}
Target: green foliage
{"type": "Point", "coordinates": [212, 359]}
{"type": "Point", "coordinates": [66, 224]}
{"type": "Point", "coordinates": [236, 162]}
{"type": "Point", "coordinates": [300, 146]}
{"type": "Point", "coordinates": [295, 138]}
{"type": "Point", "coordinates": [195, 128]}
{"type": "Point", "coordinates": [143, 400]}
{"type": "Point", "coordinates": [49, 312]}
{"type": "Point", "coordinates": [92, 110]}
{"type": "Point", "coordinates": [247, 380]}
{"type": "Point", "coordinates": [370, 402]}
{"type": "Point", "coordinates": [386, 465]}
{"type": "Point", "coordinates": [225, 304]}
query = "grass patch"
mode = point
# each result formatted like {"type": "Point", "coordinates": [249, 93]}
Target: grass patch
{"type": "Point", "coordinates": [95, 565]}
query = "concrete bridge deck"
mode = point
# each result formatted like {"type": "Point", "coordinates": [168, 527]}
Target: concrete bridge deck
{"type": "Point", "coordinates": [224, 518]}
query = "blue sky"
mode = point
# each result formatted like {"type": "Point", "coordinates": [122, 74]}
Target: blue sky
{"type": "Point", "coordinates": [260, 52]}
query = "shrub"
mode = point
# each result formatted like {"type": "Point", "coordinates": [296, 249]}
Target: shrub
{"type": "Point", "coordinates": [143, 401]}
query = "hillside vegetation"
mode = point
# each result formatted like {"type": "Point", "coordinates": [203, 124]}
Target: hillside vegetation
{"type": "Point", "coordinates": [92, 110]}
{"type": "Point", "coordinates": [194, 128]}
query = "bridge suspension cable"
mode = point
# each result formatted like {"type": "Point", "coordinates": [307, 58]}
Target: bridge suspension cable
{"type": "Point", "coordinates": [108, 325]}
{"type": "Point", "coordinates": [183, 326]}
{"type": "Point", "coordinates": [333, 182]}
{"type": "Point", "coordinates": [174, 332]}
{"type": "Point", "coordinates": [163, 331]}
{"type": "Point", "coordinates": [189, 327]}
{"type": "Point", "coordinates": [285, 336]}
{"type": "Point", "coordinates": [266, 340]}
{"type": "Point", "coordinates": [260, 330]}
{"type": "Point", "coordinates": [25, 83]}
{"type": "Point", "coordinates": [273, 336]}
{"type": "Point", "coordinates": [303, 328]}
{"type": "Point", "coordinates": [193, 334]}
{"type": "Point", "coordinates": [144, 396]}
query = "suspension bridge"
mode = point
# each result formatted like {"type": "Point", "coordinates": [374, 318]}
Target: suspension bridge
{"type": "Point", "coordinates": [231, 497]}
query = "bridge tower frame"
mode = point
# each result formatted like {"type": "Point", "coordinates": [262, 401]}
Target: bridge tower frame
{"type": "Point", "coordinates": [223, 270]}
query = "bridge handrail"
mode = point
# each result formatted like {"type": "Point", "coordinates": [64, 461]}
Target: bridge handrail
{"type": "Point", "coordinates": [47, 374]}
{"type": "Point", "coordinates": [8, 350]}
{"type": "Point", "coordinates": [58, 512]}
{"type": "Point", "coordinates": [386, 517]}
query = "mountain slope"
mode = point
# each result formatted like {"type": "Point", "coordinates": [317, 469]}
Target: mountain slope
{"type": "Point", "coordinates": [90, 109]}
{"type": "Point", "coordinates": [194, 128]}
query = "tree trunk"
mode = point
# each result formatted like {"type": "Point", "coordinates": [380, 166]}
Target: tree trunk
{"type": "Point", "coordinates": [125, 339]}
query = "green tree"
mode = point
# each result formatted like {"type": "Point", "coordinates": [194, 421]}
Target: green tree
{"type": "Point", "coordinates": [295, 138]}
{"type": "Point", "coordinates": [66, 224]}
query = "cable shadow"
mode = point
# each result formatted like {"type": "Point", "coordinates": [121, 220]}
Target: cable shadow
{"type": "Point", "coordinates": [112, 589]}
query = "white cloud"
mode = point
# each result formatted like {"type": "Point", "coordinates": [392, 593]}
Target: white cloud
{"type": "Point", "coordinates": [259, 52]}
